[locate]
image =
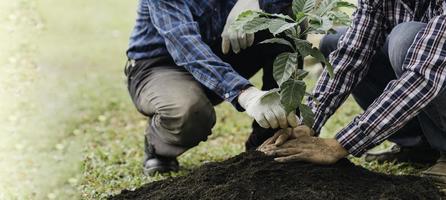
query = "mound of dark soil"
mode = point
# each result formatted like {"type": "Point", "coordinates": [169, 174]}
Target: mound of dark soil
{"type": "Point", "coordinates": [254, 176]}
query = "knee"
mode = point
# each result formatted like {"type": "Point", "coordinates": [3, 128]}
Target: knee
{"type": "Point", "coordinates": [329, 42]}
{"type": "Point", "coordinates": [400, 39]}
{"type": "Point", "coordinates": [191, 119]}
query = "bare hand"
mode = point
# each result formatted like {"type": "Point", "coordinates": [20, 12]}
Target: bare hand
{"type": "Point", "coordinates": [283, 135]}
{"type": "Point", "coordinates": [308, 149]}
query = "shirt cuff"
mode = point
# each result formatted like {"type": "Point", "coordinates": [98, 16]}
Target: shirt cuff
{"type": "Point", "coordinates": [355, 140]}
{"type": "Point", "coordinates": [231, 95]}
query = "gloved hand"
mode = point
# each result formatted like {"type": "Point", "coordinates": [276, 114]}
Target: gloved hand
{"type": "Point", "coordinates": [268, 112]}
{"type": "Point", "coordinates": [236, 39]}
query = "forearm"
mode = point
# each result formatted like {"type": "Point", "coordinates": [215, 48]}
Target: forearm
{"type": "Point", "coordinates": [392, 110]}
{"type": "Point", "coordinates": [403, 99]}
{"type": "Point", "coordinates": [350, 62]}
{"type": "Point", "coordinates": [174, 22]}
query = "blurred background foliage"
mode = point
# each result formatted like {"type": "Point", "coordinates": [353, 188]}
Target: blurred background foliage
{"type": "Point", "coordinates": [68, 129]}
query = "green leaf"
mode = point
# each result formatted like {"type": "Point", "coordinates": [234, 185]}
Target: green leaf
{"type": "Point", "coordinates": [293, 32]}
{"type": "Point", "coordinates": [326, 25]}
{"type": "Point", "coordinates": [282, 16]}
{"type": "Point", "coordinates": [301, 74]}
{"type": "Point", "coordinates": [307, 114]}
{"type": "Point", "coordinates": [277, 26]}
{"type": "Point", "coordinates": [329, 68]}
{"type": "Point", "coordinates": [284, 66]}
{"type": "Point", "coordinates": [243, 19]}
{"type": "Point", "coordinates": [325, 6]}
{"type": "Point", "coordinates": [314, 23]}
{"type": "Point", "coordinates": [303, 46]}
{"type": "Point", "coordinates": [292, 93]}
{"type": "Point", "coordinates": [277, 41]}
{"type": "Point", "coordinates": [345, 4]}
{"type": "Point", "coordinates": [304, 6]}
{"type": "Point", "coordinates": [316, 53]}
{"type": "Point", "coordinates": [270, 96]}
{"type": "Point", "coordinates": [256, 25]}
{"type": "Point", "coordinates": [339, 18]}
{"type": "Point", "coordinates": [300, 17]}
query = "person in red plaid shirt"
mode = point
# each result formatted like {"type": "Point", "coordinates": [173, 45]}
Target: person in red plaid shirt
{"type": "Point", "coordinates": [393, 60]}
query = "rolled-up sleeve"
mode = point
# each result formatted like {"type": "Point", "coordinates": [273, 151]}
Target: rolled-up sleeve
{"type": "Point", "coordinates": [402, 99]}
{"type": "Point", "coordinates": [174, 22]}
{"type": "Point", "coordinates": [351, 61]}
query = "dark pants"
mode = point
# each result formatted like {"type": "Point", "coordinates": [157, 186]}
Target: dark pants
{"type": "Point", "coordinates": [428, 129]}
{"type": "Point", "coordinates": [180, 109]}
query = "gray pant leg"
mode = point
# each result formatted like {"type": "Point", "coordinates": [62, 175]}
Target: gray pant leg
{"type": "Point", "coordinates": [180, 113]}
{"type": "Point", "coordinates": [432, 118]}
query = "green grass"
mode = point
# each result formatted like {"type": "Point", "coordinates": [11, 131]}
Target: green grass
{"type": "Point", "coordinates": [76, 132]}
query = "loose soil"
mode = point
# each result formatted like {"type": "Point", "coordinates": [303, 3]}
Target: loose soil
{"type": "Point", "coordinates": [253, 176]}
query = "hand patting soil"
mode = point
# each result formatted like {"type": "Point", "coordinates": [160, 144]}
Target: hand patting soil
{"type": "Point", "coordinates": [255, 176]}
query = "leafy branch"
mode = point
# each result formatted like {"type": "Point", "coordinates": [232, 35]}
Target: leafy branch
{"type": "Point", "coordinates": [309, 17]}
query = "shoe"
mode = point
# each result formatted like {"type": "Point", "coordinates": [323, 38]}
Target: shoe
{"type": "Point", "coordinates": [158, 164]}
{"type": "Point", "coordinates": [397, 153]}
{"type": "Point", "coordinates": [437, 173]}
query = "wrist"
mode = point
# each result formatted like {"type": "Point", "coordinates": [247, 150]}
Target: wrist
{"type": "Point", "coordinates": [339, 150]}
{"type": "Point", "coordinates": [246, 95]}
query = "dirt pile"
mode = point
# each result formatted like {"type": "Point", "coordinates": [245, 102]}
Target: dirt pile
{"type": "Point", "coordinates": [253, 176]}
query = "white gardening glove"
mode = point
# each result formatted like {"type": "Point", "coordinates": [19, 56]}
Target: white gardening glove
{"type": "Point", "coordinates": [268, 112]}
{"type": "Point", "coordinates": [237, 39]}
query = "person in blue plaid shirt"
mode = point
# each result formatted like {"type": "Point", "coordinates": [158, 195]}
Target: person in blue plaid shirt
{"type": "Point", "coordinates": [183, 60]}
{"type": "Point", "coordinates": [393, 60]}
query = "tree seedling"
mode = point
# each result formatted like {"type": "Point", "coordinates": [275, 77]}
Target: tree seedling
{"type": "Point", "coordinates": [308, 17]}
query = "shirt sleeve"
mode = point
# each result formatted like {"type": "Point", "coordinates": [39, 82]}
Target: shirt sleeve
{"type": "Point", "coordinates": [274, 6]}
{"type": "Point", "coordinates": [174, 22]}
{"type": "Point", "coordinates": [403, 99]}
{"type": "Point", "coordinates": [350, 61]}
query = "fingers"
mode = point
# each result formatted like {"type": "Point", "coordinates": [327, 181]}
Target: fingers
{"type": "Point", "coordinates": [272, 119]}
{"type": "Point", "coordinates": [237, 40]}
{"type": "Point", "coordinates": [225, 45]}
{"type": "Point", "coordinates": [302, 131]}
{"type": "Point", "coordinates": [242, 40]}
{"type": "Point", "coordinates": [262, 121]}
{"type": "Point", "coordinates": [281, 117]}
{"type": "Point", "coordinates": [292, 158]}
{"type": "Point", "coordinates": [283, 152]}
{"type": "Point", "coordinates": [293, 121]}
{"type": "Point", "coordinates": [234, 42]}
{"type": "Point", "coordinates": [282, 138]}
{"type": "Point", "coordinates": [269, 141]}
{"type": "Point", "coordinates": [272, 140]}
{"type": "Point", "coordinates": [250, 39]}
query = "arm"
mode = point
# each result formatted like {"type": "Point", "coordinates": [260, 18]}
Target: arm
{"type": "Point", "coordinates": [350, 61]}
{"type": "Point", "coordinates": [174, 22]}
{"type": "Point", "coordinates": [423, 80]}
{"type": "Point", "coordinates": [403, 99]}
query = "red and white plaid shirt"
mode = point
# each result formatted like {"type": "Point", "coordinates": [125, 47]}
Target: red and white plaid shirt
{"type": "Point", "coordinates": [423, 78]}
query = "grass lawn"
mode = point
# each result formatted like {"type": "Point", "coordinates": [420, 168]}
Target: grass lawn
{"type": "Point", "coordinates": [81, 136]}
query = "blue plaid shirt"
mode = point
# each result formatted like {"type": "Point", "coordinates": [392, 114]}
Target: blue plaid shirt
{"type": "Point", "coordinates": [184, 30]}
